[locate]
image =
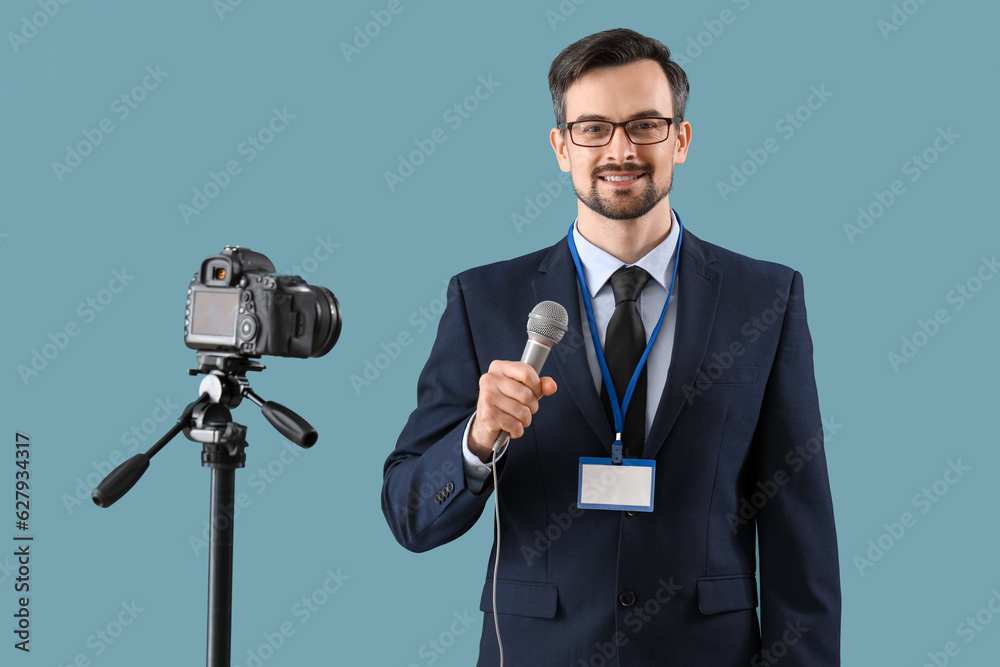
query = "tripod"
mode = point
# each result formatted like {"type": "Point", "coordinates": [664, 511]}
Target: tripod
{"type": "Point", "coordinates": [208, 420]}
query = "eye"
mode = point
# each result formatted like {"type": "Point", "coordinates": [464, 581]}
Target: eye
{"type": "Point", "coordinates": [645, 124]}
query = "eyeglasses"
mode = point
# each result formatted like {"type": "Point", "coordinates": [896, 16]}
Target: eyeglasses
{"type": "Point", "coordinates": [640, 131]}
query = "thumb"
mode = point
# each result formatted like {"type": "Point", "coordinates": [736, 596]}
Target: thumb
{"type": "Point", "coordinates": [548, 386]}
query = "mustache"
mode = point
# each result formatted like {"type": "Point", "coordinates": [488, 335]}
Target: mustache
{"type": "Point", "coordinates": [628, 166]}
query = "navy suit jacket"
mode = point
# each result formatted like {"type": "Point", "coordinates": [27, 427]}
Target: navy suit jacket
{"type": "Point", "coordinates": [738, 444]}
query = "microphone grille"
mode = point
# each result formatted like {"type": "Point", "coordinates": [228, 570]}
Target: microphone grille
{"type": "Point", "coordinates": [548, 319]}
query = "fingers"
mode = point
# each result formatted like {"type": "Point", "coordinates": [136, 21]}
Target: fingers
{"type": "Point", "coordinates": [508, 397]}
{"type": "Point", "coordinates": [517, 371]}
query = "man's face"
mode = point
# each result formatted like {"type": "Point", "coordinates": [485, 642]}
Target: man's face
{"type": "Point", "coordinates": [619, 94]}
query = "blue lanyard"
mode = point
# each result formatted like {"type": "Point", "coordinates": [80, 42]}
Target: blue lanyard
{"type": "Point", "coordinates": [620, 409]}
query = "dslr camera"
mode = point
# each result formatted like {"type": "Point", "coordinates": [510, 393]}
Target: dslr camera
{"type": "Point", "coordinates": [237, 305]}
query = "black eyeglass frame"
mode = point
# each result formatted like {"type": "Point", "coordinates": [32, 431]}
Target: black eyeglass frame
{"type": "Point", "coordinates": [615, 126]}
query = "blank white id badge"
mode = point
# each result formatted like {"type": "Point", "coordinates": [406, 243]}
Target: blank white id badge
{"type": "Point", "coordinates": [604, 486]}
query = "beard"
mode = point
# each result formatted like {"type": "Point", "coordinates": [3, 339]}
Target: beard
{"type": "Point", "coordinates": [624, 205]}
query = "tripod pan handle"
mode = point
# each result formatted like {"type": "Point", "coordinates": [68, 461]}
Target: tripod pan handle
{"type": "Point", "coordinates": [120, 480]}
{"type": "Point", "coordinates": [289, 424]}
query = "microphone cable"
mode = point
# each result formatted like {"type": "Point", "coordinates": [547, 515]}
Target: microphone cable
{"type": "Point", "coordinates": [496, 557]}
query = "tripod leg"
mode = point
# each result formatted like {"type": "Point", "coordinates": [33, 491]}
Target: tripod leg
{"type": "Point", "coordinates": [220, 567]}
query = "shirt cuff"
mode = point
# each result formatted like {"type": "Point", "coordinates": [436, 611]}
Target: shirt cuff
{"type": "Point", "coordinates": [476, 472]}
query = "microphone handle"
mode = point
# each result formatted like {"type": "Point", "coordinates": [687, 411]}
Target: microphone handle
{"type": "Point", "coordinates": [535, 353]}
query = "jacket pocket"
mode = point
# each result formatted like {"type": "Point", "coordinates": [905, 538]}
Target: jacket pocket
{"type": "Point", "coordinates": [729, 593]}
{"type": "Point", "coordinates": [521, 598]}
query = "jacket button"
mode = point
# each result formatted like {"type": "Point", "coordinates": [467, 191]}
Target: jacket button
{"type": "Point", "coordinates": [630, 513]}
{"type": "Point", "coordinates": [627, 599]}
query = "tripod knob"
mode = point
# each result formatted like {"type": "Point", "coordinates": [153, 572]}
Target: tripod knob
{"type": "Point", "coordinates": [222, 389]}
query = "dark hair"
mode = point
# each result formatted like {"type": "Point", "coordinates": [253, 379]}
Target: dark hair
{"type": "Point", "coordinates": [612, 48]}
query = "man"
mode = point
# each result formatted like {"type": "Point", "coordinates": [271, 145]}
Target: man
{"type": "Point", "coordinates": [725, 408]}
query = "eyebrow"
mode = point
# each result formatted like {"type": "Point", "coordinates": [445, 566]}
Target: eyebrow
{"type": "Point", "coordinates": [645, 113]}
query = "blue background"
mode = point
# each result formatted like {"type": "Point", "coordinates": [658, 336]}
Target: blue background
{"type": "Point", "coordinates": [317, 202]}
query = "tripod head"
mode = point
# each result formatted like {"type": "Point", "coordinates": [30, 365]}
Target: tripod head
{"type": "Point", "coordinates": [208, 420]}
{"type": "Point", "coordinates": [226, 383]}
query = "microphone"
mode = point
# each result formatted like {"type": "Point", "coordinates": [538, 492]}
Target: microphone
{"type": "Point", "coordinates": [547, 324]}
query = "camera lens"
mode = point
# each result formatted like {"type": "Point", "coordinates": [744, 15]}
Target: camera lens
{"type": "Point", "coordinates": [328, 321]}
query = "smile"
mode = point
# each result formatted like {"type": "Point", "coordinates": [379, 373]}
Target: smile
{"type": "Point", "coordinates": [626, 179]}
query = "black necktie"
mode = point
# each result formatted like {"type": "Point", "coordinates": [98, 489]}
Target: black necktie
{"type": "Point", "coordinates": [624, 344]}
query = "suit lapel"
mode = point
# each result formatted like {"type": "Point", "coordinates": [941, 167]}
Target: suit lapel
{"type": "Point", "coordinates": [698, 294]}
{"type": "Point", "coordinates": [557, 281]}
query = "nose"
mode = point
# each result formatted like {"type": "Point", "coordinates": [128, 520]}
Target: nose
{"type": "Point", "coordinates": [620, 148]}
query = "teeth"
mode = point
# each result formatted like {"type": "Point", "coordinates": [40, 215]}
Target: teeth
{"type": "Point", "coordinates": [619, 178]}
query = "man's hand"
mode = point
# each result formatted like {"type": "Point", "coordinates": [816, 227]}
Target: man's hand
{"type": "Point", "coordinates": [508, 396]}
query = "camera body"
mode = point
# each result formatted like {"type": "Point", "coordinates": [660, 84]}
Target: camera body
{"type": "Point", "coordinates": [236, 304]}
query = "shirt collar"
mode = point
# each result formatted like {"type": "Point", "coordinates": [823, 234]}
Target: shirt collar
{"type": "Point", "coordinates": [598, 264]}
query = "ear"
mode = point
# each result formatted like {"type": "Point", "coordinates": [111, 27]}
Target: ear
{"type": "Point", "coordinates": [683, 141]}
{"type": "Point", "coordinates": [559, 144]}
